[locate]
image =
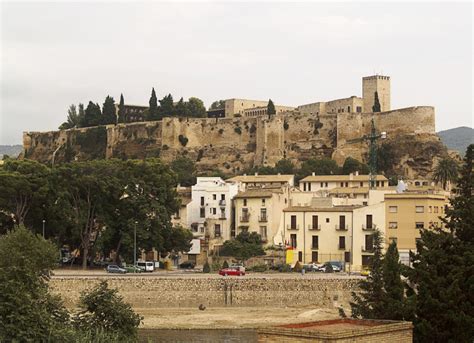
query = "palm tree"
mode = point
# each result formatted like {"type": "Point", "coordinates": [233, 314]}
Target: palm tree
{"type": "Point", "coordinates": [446, 170]}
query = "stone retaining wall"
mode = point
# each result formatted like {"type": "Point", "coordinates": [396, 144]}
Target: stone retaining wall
{"type": "Point", "coordinates": [154, 292]}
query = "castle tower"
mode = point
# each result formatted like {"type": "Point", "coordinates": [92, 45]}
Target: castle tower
{"type": "Point", "coordinates": [379, 84]}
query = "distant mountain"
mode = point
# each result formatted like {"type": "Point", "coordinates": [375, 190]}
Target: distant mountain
{"type": "Point", "coordinates": [10, 150]}
{"type": "Point", "coordinates": [458, 138]}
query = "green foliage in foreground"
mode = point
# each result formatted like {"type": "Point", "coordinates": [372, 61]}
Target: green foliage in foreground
{"type": "Point", "coordinates": [244, 246]}
{"type": "Point", "coordinates": [29, 313]}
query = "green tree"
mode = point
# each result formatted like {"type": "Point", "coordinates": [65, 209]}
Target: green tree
{"type": "Point", "coordinates": [352, 165]}
{"type": "Point", "coordinates": [153, 110]}
{"type": "Point", "coordinates": [28, 312]}
{"type": "Point", "coordinates": [109, 115]}
{"type": "Point", "coordinates": [185, 170]}
{"type": "Point", "coordinates": [121, 110]}
{"type": "Point", "coordinates": [73, 117]}
{"type": "Point", "coordinates": [92, 115]}
{"type": "Point", "coordinates": [369, 303]}
{"type": "Point", "coordinates": [284, 166]}
{"type": "Point", "coordinates": [196, 108]}
{"type": "Point", "coordinates": [244, 246]}
{"type": "Point", "coordinates": [166, 108]}
{"type": "Point", "coordinates": [443, 269]}
{"type": "Point", "coordinates": [181, 109]}
{"type": "Point", "coordinates": [324, 166]}
{"type": "Point", "coordinates": [376, 107]}
{"type": "Point", "coordinates": [103, 308]}
{"type": "Point", "coordinates": [271, 108]}
{"type": "Point", "coordinates": [446, 171]}
{"type": "Point", "coordinates": [217, 105]}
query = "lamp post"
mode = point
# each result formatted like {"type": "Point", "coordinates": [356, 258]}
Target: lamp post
{"type": "Point", "coordinates": [44, 221]}
{"type": "Point", "coordinates": [135, 247]}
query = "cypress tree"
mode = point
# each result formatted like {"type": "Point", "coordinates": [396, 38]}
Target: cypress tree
{"type": "Point", "coordinates": [109, 115]}
{"type": "Point", "coordinates": [166, 107]}
{"type": "Point", "coordinates": [121, 110]}
{"type": "Point", "coordinates": [369, 303]}
{"type": "Point", "coordinates": [376, 107]}
{"type": "Point", "coordinates": [92, 115]}
{"type": "Point", "coordinates": [181, 109]}
{"type": "Point", "coordinates": [271, 108]}
{"type": "Point", "coordinates": [153, 113]}
{"type": "Point", "coordinates": [443, 270]}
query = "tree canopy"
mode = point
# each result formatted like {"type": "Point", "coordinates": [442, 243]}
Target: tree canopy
{"type": "Point", "coordinates": [108, 111]}
{"type": "Point", "coordinates": [271, 108]}
{"type": "Point", "coordinates": [376, 106]}
{"type": "Point", "coordinates": [244, 246]}
{"type": "Point", "coordinates": [445, 171]}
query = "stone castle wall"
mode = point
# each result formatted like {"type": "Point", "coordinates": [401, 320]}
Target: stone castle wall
{"type": "Point", "coordinates": [229, 144]}
{"type": "Point", "coordinates": [163, 292]}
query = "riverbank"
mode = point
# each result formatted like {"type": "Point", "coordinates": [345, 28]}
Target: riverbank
{"type": "Point", "coordinates": [230, 317]}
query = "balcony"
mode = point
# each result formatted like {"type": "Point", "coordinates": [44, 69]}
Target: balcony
{"type": "Point", "coordinates": [342, 227]}
{"type": "Point", "coordinates": [262, 219]}
{"type": "Point", "coordinates": [341, 246]}
{"type": "Point", "coordinates": [368, 250]}
{"type": "Point", "coordinates": [222, 203]}
{"type": "Point", "coordinates": [222, 216]}
{"type": "Point", "coordinates": [292, 227]}
{"type": "Point", "coordinates": [315, 247]}
{"type": "Point", "coordinates": [314, 228]}
{"type": "Point", "coordinates": [245, 218]}
{"type": "Point", "coordinates": [369, 228]}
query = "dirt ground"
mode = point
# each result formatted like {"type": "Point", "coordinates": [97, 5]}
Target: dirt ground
{"type": "Point", "coordinates": [230, 317]}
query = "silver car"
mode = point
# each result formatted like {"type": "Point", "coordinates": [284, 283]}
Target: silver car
{"type": "Point", "coordinates": [113, 268]}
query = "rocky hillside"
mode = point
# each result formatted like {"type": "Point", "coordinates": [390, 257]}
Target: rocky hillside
{"type": "Point", "coordinates": [458, 138]}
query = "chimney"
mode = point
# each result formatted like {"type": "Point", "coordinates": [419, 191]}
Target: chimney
{"type": "Point", "coordinates": [351, 176]}
{"type": "Point", "coordinates": [279, 174]}
{"type": "Point", "coordinates": [357, 173]}
{"type": "Point", "coordinates": [313, 174]}
{"type": "Point", "coordinates": [256, 174]}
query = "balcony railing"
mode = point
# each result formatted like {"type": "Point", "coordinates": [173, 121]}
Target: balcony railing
{"type": "Point", "coordinates": [342, 227]}
{"type": "Point", "coordinates": [369, 228]}
{"type": "Point", "coordinates": [222, 216]}
{"type": "Point", "coordinates": [315, 247]}
{"type": "Point", "coordinates": [262, 219]}
{"type": "Point", "coordinates": [292, 227]}
{"type": "Point", "coordinates": [222, 203]}
{"type": "Point", "coordinates": [314, 228]}
{"type": "Point", "coordinates": [367, 249]}
{"type": "Point", "coordinates": [245, 218]}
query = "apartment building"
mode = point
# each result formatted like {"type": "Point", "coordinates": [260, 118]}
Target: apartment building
{"type": "Point", "coordinates": [407, 213]}
{"type": "Point", "coordinates": [209, 213]}
{"type": "Point", "coordinates": [260, 210]}
{"type": "Point", "coordinates": [263, 181]}
{"type": "Point", "coordinates": [323, 184]}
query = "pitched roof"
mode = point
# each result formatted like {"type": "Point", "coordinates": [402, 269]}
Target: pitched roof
{"type": "Point", "coordinates": [332, 178]}
{"type": "Point", "coordinates": [349, 190]}
{"type": "Point", "coordinates": [262, 178]}
{"type": "Point", "coordinates": [258, 193]}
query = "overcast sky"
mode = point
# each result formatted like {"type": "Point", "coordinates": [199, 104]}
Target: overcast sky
{"type": "Point", "coordinates": [56, 54]}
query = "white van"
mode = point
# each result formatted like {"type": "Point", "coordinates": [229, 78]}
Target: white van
{"type": "Point", "coordinates": [146, 266]}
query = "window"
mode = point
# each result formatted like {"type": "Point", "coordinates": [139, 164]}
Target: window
{"type": "Point", "coordinates": [342, 222]}
{"type": "Point", "coordinates": [347, 256]}
{"type": "Point", "coordinates": [314, 256]}
{"type": "Point", "coordinates": [232, 231]}
{"type": "Point", "coordinates": [202, 201]}
{"type": "Point", "coordinates": [315, 242]}
{"type": "Point", "coordinates": [327, 220]}
{"type": "Point", "coordinates": [393, 209]}
{"type": "Point", "coordinates": [368, 221]}
{"type": "Point", "coordinates": [366, 260]}
{"type": "Point", "coordinates": [263, 232]}
{"type": "Point", "coordinates": [362, 184]}
{"type": "Point", "coordinates": [222, 213]}
{"type": "Point", "coordinates": [326, 185]}
{"type": "Point", "coordinates": [222, 196]}
{"type": "Point", "coordinates": [369, 242]}
{"type": "Point", "coordinates": [214, 197]}
{"type": "Point", "coordinates": [348, 109]}
{"type": "Point", "coordinates": [342, 242]}
{"type": "Point", "coordinates": [315, 223]}
{"type": "Point", "coordinates": [342, 184]}
{"type": "Point", "coordinates": [359, 109]}
{"type": "Point", "coordinates": [393, 225]}
{"type": "Point", "coordinates": [214, 210]}
{"type": "Point", "coordinates": [293, 222]}
{"type": "Point", "coordinates": [420, 209]}
{"type": "Point", "coordinates": [419, 225]}
{"type": "Point", "coordinates": [347, 184]}
{"type": "Point", "coordinates": [300, 256]}
{"type": "Point", "coordinates": [322, 185]}
{"type": "Point", "coordinates": [217, 230]}
{"type": "Point", "coordinates": [202, 212]}
{"type": "Point", "coordinates": [309, 186]}
{"type": "Point", "coordinates": [245, 202]}
{"type": "Point", "coordinates": [293, 240]}
{"type": "Point", "coordinates": [436, 209]}
{"type": "Point", "coordinates": [383, 183]}
{"type": "Point", "coordinates": [263, 202]}
{"type": "Point", "coordinates": [263, 214]}
{"type": "Point", "coordinates": [304, 186]}
{"type": "Point", "coordinates": [430, 209]}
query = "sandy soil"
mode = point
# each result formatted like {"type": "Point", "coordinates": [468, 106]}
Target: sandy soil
{"type": "Point", "coordinates": [230, 317]}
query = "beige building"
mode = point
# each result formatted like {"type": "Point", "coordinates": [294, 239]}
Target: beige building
{"type": "Point", "coordinates": [251, 108]}
{"type": "Point", "coordinates": [263, 181]}
{"type": "Point", "coordinates": [346, 105]}
{"type": "Point", "coordinates": [379, 84]}
{"type": "Point", "coordinates": [260, 210]}
{"type": "Point", "coordinates": [324, 184]}
{"type": "Point", "coordinates": [406, 213]}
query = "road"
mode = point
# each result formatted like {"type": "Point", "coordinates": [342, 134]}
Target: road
{"type": "Point", "coordinates": [75, 273]}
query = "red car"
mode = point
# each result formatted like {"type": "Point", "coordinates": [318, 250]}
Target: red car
{"type": "Point", "coordinates": [239, 271]}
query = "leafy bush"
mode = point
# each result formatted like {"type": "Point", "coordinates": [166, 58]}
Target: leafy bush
{"type": "Point", "coordinates": [244, 246]}
{"type": "Point", "coordinates": [225, 265]}
{"type": "Point", "coordinates": [284, 268]}
{"type": "Point", "coordinates": [258, 268]}
{"type": "Point", "coordinates": [104, 309]}
{"type": "Point", "coordinates": [183, 140]}
{"type": "Point", "coordinates": [206, 268]}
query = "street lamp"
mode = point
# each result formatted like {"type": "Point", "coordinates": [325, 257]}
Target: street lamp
{"type": "Point", "coordinates": [135, 247]}
{"type": "Point", "coordinates": [44, 221]}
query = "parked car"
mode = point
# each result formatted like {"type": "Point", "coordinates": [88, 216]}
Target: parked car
{"type": "Point", "coordinates": [187, 265]}
{"type": "Point", "coordinates": [113, 268]}
{"type": "Point", "coordinates": [239, 271]}
{"type": "Point", "coordinates": [133, 269]}
{"type": "Point", "coordinates": [146, 266]}
{"type": "Point", "coordinates": [318, 267]}
{"type": "Point", "coordinates": [336, 267]}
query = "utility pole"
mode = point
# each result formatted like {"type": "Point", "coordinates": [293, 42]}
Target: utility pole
{"type": "Point", "coordinates": [372, 139]}
{"type": "Point", "coordinates": [44, 221]}
{"type": "Point", "coordinates": [135, 246]}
